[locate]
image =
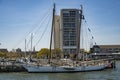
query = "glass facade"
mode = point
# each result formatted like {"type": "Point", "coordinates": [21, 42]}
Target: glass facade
{"type": "Point", "coordinates": [69, 26]}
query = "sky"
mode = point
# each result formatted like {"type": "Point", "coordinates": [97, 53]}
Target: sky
{"type": "Point", "coordinates": [20, 18]}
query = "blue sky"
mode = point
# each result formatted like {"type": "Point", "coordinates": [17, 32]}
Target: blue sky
{"type": "Point", "coordinates": [19, 17]}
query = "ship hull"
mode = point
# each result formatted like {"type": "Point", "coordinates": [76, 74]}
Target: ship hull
{"type": "Point", "coordinates": [62, 69]}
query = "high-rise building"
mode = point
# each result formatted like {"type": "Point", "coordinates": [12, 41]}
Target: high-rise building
{"type": "Point", "coordinates": [57, 32]}
{"type": "Point", "coordinates": [66, 30]}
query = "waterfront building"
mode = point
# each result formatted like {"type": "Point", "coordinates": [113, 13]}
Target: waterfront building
{"type": "Point", "coordinates": [109, 48]}
{"type": "Point", "coordinates": [105, 51]}
{"type": "Point", "coordinates": [66, 30]}
{"type": "Point", "coordinates": [3, 50]}
{"type": "Point", "coordinates": [106, 48]}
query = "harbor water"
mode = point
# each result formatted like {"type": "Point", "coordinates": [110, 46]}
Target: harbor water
{"type": "Point", "coordinates": [108, 74]}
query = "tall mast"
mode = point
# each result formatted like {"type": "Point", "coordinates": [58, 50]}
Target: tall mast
{"type": "Point", "coordinates": [25, 48]}
{"type": "Point", "coordinates": [78, 31]}
{"type": "Point", "coordinates": [31, 44]}
{"type": "Point", "coordinates": [53, 24]}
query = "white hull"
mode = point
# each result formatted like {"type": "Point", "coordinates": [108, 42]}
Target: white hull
{"type": "Point", "coordinates": [38, 69]}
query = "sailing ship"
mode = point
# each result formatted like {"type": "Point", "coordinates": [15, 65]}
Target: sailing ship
{"type": "Point", "coordinates": [65, 65]}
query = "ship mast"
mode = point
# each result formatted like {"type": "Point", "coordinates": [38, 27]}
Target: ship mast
{"type": "Point", "coordinates": [31, 45]}
{"type": "Point", "coordinates": [53, 24]}
{"type": "Point", "coordinates": [25, 49]}
{"type": "Point", "coordinates": [78, 31]}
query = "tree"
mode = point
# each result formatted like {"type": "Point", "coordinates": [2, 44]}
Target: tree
{"type": "Point", "coordinates": [43, 52]}
{"type": "Point", "coordinates": [2, 54]}
{"type": "Point", "coordinates": [56, 52]}
{"type": "Point", "coordinates": [12, 55]}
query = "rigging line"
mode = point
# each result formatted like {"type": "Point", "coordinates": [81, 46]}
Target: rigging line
{"type": "Point", "coordinates": [37, 36]}
{"type": "Point", "coordinates": [41, 36]}
{"type": "Point", "coordinates": [91, 39]}
{"type": "Point", "coordinates": [81, 35]}
{"type": "Point", "coordinates": [42, 23]}
{"type": "Point", "coordinates": [38, 29]}
{"type": "Point", "coordinates": [43, 32]}
{"type": "Point", "coordinates": [27, 46]}
{"type": "Point", "coordinates": [86, 39]}
{"type": "Point", "coordinates": [90, 31]}
{"type": "Point", "coordinates": [33, 28]}
{"type": "Point", "coordinates": [82, 41]}
{"type": "Point", "coordinates": [87, 36]}
{"type": "Point", "coordinates": [41, 19]}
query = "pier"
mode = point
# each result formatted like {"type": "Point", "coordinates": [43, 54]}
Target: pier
{"type": "Point", "coordinates": [11, 66]}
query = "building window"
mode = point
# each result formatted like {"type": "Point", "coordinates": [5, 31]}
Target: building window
{"type": "Point", "coordinates": [66, 37]}
{"type": "Point", "coordinates": [116, 50]}
{"type": "Point", "coordinates": [72, 43]}
{"type": "Point", "coordinates": [110, 50]}
{"type": "Point", "coordinates": [72, 50]}
{"type": "Point", "coordinates": [72, 13]}
{"type": "Point", "coordinates": [68, 19]}
{"type": "Point", "coordinates": [65, 14]}
{"type": "Point", "coordinates": [73, 38]}
{"type": "Point", "coordinates": [66, 43]}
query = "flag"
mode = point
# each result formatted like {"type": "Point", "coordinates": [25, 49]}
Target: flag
{"type": "Point", "coordinates": [92, 37]}
{"type": "Point", "coordinates": [83, 17]}
{"type": "Point", "coordinates": [89, 30]}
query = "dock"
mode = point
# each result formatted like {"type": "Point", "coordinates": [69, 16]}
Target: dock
{"type": "Point", "coordinates": [11, 66]}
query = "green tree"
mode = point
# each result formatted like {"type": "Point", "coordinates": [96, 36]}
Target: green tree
{"type": "Point", "coordinates": [56, 52]}
{"type": "Point", "coordinates": [2, 54]}
{"type": "Point", "coordinates": [12, 55]}
{"type": "Point", "coordinates": [43, 52]}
